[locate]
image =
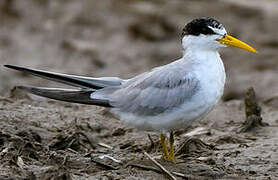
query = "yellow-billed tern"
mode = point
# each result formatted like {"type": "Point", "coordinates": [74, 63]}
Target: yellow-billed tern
{"type": "Point", "coordinates": [164, 99]}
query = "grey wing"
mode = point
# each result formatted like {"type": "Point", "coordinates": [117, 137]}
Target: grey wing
{"type": "Point", "coordinates": [155, 92]}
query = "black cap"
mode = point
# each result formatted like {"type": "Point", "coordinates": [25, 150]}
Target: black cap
{"type": "Point", "coordinates": [200, 26]}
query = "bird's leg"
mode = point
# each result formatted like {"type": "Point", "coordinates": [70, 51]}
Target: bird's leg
{"type": "Point", "coordinates": [172, 149]}
{"type": "Point", "coordinates": [165, 152]}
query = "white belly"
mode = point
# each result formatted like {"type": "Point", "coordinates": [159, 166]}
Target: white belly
{"type": "Point", "coordinates": [186, 114]}
{"type": "Point", "coordinates": [179, 118]}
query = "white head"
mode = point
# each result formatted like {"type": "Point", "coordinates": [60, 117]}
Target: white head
{"type": "Point", "coordinates": [208, 34]}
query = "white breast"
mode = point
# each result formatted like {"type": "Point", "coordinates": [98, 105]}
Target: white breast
{"type": "Point", "coordinates": [212, 76]}
{"type": "Point", "coordinates": [209, 69]}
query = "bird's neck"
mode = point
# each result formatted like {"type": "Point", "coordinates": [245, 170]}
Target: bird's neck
{"type": "Point", "coordinates": [199, 55]}
{"type": "Point", "coordinates": [206, 62]}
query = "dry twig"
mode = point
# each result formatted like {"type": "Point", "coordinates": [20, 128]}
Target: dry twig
{"type": "Point", "coordinates": [160, 166]}
{"type": "Point", "coordinates": [105, 145]}
{"type": "Point", "coordinates": [156, 170]}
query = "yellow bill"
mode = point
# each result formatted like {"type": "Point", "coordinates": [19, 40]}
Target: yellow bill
{"type": "Point", "coordinates": [231, 41]}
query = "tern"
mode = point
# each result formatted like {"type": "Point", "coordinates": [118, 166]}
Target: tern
{"type": "Point", "coordinates": [164, 99]}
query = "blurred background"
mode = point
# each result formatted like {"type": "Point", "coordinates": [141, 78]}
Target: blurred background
{"type": "Point", "coordinates": [124, 38]}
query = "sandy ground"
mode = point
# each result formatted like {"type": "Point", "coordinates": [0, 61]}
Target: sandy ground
{"type": "Point", "coordinates": [45, 139]}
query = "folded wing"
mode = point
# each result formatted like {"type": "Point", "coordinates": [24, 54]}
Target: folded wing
{"type": "Point", "coordinates": [77, 81]}
{"type": "Point", "coordinates": [152, 93]}
{"type": "Point", "coordinates": [163, 89]}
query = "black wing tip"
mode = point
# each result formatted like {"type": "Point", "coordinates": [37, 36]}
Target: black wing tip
{"type": "Point", "coordinates": [8, 66]}
{"type": "Point", "coordinates": [13, 67]}
{"type": "Point", "coordinates": [67, 95]}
